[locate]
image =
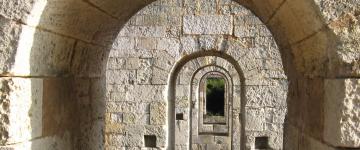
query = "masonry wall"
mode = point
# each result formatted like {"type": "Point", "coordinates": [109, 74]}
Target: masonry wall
{"type": "Point", "coordinates": [165, 32]}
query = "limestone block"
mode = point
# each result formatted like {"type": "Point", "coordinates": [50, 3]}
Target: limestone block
{"type": "Point", "coordinates": [132, 63]}
{"type": "Point", "coordinates": [275, 115]}
{"type": "Point", "coordinates": [159, 76]}
{"type": "Point", "coordinates": [207, 7]}
{"type": "Point", "coordinates": [116, 117]}
{"type": "Point", "coordinates": [189, 44]}
{"type": "Point", "coordinates": [145, 93]}
{"type": "Point", "coordinates": [171, 45]}
{"type": "Point", "coordinates": [236, 48]}
{"type": "Point", "coordinates": [124, 43]}
{"type": "Point", "coordinates": [220, 128]}
{"type": "Point", "coordinates": [182, 136]}
{"type": "Point", "coordinates": [246, 31]}
{"type": "Point", "coordinates": [266, 8]}
{"type": "Point", "coordinates": [120, 76]}
{"type": "Point", "coordinates": [206, 139]}
{"type": "Point", "coordinates": [237, 9]}
{"type": "Point", "coordinates": [212, 43]}
{"type": "Point", "coordinates": [58, 16]}
{"type": "Point", "coordinates": [144, 73]}
{"type": "Point", "coordinates": [163, 60]}
{"type": "Point", "coordinates": [50, 53]}
{"type": "Point", "coordinates": [272, 96]}
{"type": "Point", "coordinates": [287, 16]}
{"type": "Point", "coordinates": [206, 128]}
{"type": "Point", "coordinates": [173, 31]}
{"type": "Point", "coordinates": [115, 63]}
{"type": "Point", "coordinates": [88, 60]}
{"type": "Point", "coordinates": [222, 140]}
{"type": "Point", "coordinates": [16, 10]}
{"type": "Point", "coordinates": [245, 20]}
{"type": "Point", "coordinates": [146, 43]}
{"type": "Point", "coordinates": [342, 128]}
{"type": "Point", "coordinates": [207, 24]}
{"type": "Point", "coordinates": [157, 113]}
{"type": "Point", "coordinates": [143, 31]}
{"type": "Point", "coordinates": [341, 18]}
{"type": "Point", "coordinates": [22, 112]}
{"type": "Point", "coordinates": [149, 20]}
{"type": "Point", "coordinates": [255, 119]}
{"type": "Point", "coordinates": [116, 96]}
{"type": "Point", "coordinates": [129, 118]}
{"type": "Point", "coordinates": [8, 41]}
{"type": "Point", "coordinates": [131, 140]}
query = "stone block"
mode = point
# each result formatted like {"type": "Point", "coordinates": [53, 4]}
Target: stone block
{"type": "Point", "coordinates": [246, 31]}
{"type": "Point", "coordinates": [221, 128]}
{"type": "Point", "coordinates": [120, 76]}
{"type": "Point", "coordinates": [88, 60]}
{"type": "Point", "coordinates": [22, 105]}
{"type": "Point", "coordinates": [145, 93]}
{"type": "Point", "coordinates": [189, 44]}
{"type": "Point", "coordinates": [10, 33]}
{"type": "Point", "coordinates": [212, 43]}
{"type": "Point", "coordinates": [124, 43]}
{"type": "Point", "coordinates": [206, 139]}
{"type": "Point", "coordinates": [47, 55]}
{"type": "Point", "coordinates": [170, 45]}
{"type": "Point", "coordinates": [255, 119]}
{"type": "Point", "coordinates": [342, 128]}
{"type": "Point", "coordinates": [208, 24]}
{"type": "Point", "coordinates": [146, 43]}
{"type": "Point", "coordinates": [163, 60]}
{"type": "Point", "coordinates": [157, 113]}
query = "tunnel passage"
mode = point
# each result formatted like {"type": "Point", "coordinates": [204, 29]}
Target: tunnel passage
{"type": "Point", "coordinates": [45, 46]}
{"type": "Point", "coordinates": [150, 69]}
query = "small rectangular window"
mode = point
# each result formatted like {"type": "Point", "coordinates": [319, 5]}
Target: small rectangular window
{"type": "Point", "coordinates": [261, 142]}
{"type": "Point", "coordinates": [150, 140]}
{"type": "Point", "coordinates": [180, 116]}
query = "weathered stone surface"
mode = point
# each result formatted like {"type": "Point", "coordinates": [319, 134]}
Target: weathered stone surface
{"type": "Point", "coordinates": [157, 113]}
{"type": "Point", "coordinates": [343, 128]}
{"type": "Point", "coordinates": [9, 37]}
{"type": "Point", "coordinates": [255, 119]}
{"type": "Point", "coordinates": [211, 24]}
{"type": "Point", "coordinates": [17, 9]}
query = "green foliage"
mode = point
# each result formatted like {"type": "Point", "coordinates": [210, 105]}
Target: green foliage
{"type": "Point", "coordinates": [215, 90]}
{"type": "Point", "coordinates": [214, 84]}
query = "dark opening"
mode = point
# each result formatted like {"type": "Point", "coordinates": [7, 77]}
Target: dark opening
{"type": "Point", "coordinates": [180, 116]}
{"type": "Point", "coordinates": [150, 140]}
{"type": "Point", "coordinates": [215, 96]}
{"type": "Point", "coordinates": [261, 142]}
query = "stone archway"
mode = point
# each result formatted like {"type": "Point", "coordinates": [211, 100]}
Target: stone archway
{"type": "Point", "coordinates": [306, 44]}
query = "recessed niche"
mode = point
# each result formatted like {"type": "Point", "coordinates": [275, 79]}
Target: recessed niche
{"type": "Point", "coordinates": [262, 142]}
{"type": "Point", "coordinates": [180, 116]}
{"type": "Point", "coordinates": [150, 140]}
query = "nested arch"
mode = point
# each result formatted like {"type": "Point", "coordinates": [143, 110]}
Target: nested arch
{"type": "Point", "coordinates": [172, 88]}
{"type": "Point", "coordinates": [197, 76]}
{"type": "Point", "coordinates": [87, 36]}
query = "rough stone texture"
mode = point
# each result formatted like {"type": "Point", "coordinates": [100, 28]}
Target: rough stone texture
{"type": "Point", "coordinates": [157, 113]}
{"type": "Point", "coordinates": [342, 129]}
{"type": "Point", "coordinates": [208, 24]}
{"type": "Point", "coordinates": [317, 38]}
{"type": "Point", "coordinates": [9, 38]}
{"type": "Point", "coordinates": [143, 55]}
